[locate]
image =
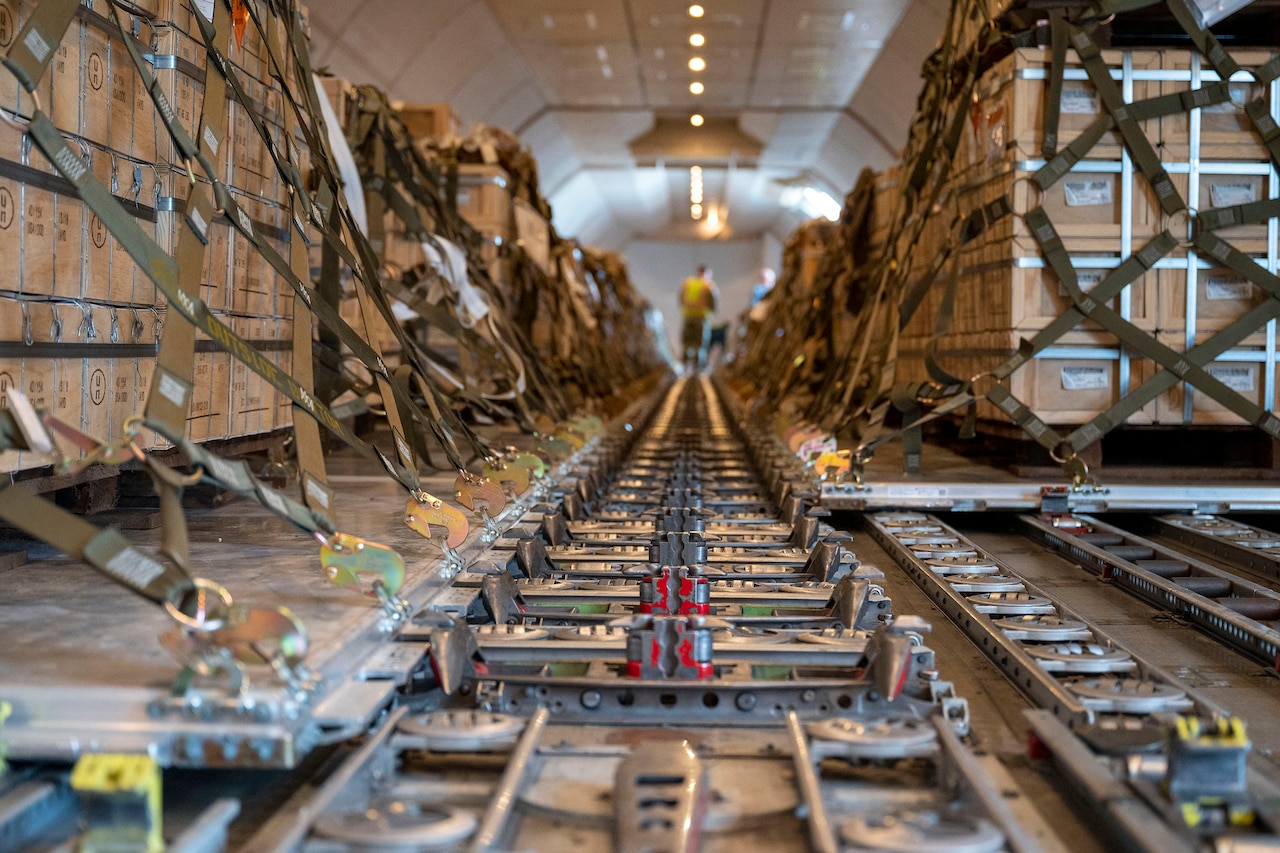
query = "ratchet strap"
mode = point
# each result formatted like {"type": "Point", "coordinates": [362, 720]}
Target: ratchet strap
{"type": "Point", "coordinates": [168, 399]}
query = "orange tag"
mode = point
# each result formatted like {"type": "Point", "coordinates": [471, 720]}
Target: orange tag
{"type": "Point", "coordinates": [421, 517]}
{"type": "Point", "coordinates": [239, 21]}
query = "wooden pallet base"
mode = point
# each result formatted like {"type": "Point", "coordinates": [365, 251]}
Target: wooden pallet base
{"type": "Point", "coordinates": [1136, 453]}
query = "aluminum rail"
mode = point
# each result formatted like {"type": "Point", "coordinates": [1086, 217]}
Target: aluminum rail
{"type": "Point", "coordinates": [978, 497]}
{"type": "Point", "coordinates": [1220, 621]}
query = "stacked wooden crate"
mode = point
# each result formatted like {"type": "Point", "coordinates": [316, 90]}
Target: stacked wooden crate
{"type": "Point", "coordinates": [69, 291]}
{"type": "Point", "coordinates": [1198, 298]}
{"type": "Point", "coordinates": [1104, 210]}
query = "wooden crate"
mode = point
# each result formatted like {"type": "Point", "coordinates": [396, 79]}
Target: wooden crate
{"type": "Point", "coordinates": [484, 199]}
{"type": "Point", "coordinates": [430, 121]}
{"type": "Point", "coordinates": [1222, 295]}
{"type": "Point", "coordinates": [1007, 121]}
{"type": "Point", "coordinates": [1247, 377]}
{"type": "Point", "coordinates": [1226, 132]}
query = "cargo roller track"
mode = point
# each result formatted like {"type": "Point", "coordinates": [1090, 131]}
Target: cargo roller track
{"type": "Point", "coordinates": [674, 649]}
{"type": "Point", "coordinates": [674, 652]}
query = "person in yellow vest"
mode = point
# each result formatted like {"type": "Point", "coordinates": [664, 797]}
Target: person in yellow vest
{"type": "Point", "coordinates": [697, 303]}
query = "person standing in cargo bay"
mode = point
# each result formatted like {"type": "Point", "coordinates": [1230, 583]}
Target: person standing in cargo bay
{"type": "Point", "coordinates": [697, 304]}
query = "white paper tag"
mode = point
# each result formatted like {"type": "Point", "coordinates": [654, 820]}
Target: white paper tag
{"type": "Point", "coordinates": [1087, 279]}
{"type": "Point", "coordinates": [1087, 193]}
{"type": "Point", "coordinates": [1237, 377]}
{"type": "Point", "coordinates": [273, 500]}
{"type": "Point", "coordinates": [1226, 287]}
{"type": "Point", "coordinates": [1228, 194]}
{"type": "Point", "coordinates": [205, 8]}
{"type": "Point", "coordinates": [173, 390]}
{"type": "Point", "coordinates": [316, 491]}
{"type": "Point", "coordinates": [228, 473]}
{"type": "Point", "coordinates": [201, 227]}
{"type": "Point", "coordinates": [211, 139]}
{"type": "Point", "coordinates": [134, 567]}
{"type": "Point", "coordinates": [1079, 102]}
{"type": "Point", "coordinates": [1079, 378]}
{"type": "Point", "coordinates": [36, 44]}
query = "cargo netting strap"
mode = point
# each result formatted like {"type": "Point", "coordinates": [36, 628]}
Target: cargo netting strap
{"type": "Point", "coordinates": [209, 632]}
{"type": "Point", "coordinates": [945, 397]}
{"type": "Point", "coordinates": [341, 555]}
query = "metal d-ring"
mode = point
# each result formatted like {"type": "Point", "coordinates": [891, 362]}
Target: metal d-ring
{"type": "Point", "coordinates": [210, 613]}
{"type": "Point", "coordinates": [1191, 229]}
{"type": "Point", "coordinates": [1062, 460]}
{"type": "Point", "coordinates": [1037, 193]}
{"type": "Point", "coordinates": [973, 381]}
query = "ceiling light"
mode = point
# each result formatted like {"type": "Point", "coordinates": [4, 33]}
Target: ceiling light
{"type": "Point", "coordinates": [695, 210]}
{"type": "Point", "coordinates": [695, 170]}
{"type": "Point", "coordinates": [697, 39]}
{"type": "Point", "coordinates": [697, 63]}
{"type": "Point", "coordinates": [696, 119]}
{"type": "Point", "coordinates": [695, 87]}
{"type": "Point", "coordinates": [696, 11]}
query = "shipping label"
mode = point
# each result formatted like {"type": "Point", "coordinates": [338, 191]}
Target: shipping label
{"type": "Point", "coordinates": [1225, 287]}
{"type": "Point", "coordinates": [1087, 279]}
{"type": "Point", "coordinates": [1237, 377]}
{"type": "Point", "coordinates": [1079, 102]}
{"type": "Point", "coordinates": [1080, 378]}
{"type": "Point", "coordinates": [1231, 193]}
{"type": "Point", "coordinates": [1087, 193]}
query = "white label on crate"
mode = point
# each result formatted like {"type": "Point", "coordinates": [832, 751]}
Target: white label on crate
{"type": "Point", "coordinates": [206, 8]}
{"type": "Point", "coordinates": [1079, 102]}
{"type": "Point", "coordinates": [1087, 193]}
{"type": "Point", "coordinates": [1227, 194]}
{"type": "Point", "coordinates": [36, 44]}
{"type": "Point", "coordinates": [211, 139]}
{"type": "Point", "coordinates": [1085, 378]}
{"type": "Point", "coordinates": [1227, 287]}
{"type": "Point", "coordinates": [172, 390]}
{"type": "Point", "coordinates": [134, 567]}
{"type": "Point", "coordinates": [1087, 279]}
{"type": "Point", "coordinates": [1237, 377]}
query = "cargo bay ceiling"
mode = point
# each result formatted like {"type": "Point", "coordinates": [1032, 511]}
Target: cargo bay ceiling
{"type": "Point", "coordinates": [798, 96]}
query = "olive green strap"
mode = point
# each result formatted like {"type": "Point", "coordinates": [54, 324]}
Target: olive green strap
{"type": "Point", "coordinates": [1144, 155]}
{"type": "Point", "coordinates": [168, 399]}
{"type": "Point", "coordinates": [1053, 100]}
{"type": "Point", "coordinates": [161, 269]}
{"type": "Point", "coordinates": [1056, 255]}
{"type": "Point", "coordinates": [104, 549]}
{"type": "Point", "coordinates": [38, 40]}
